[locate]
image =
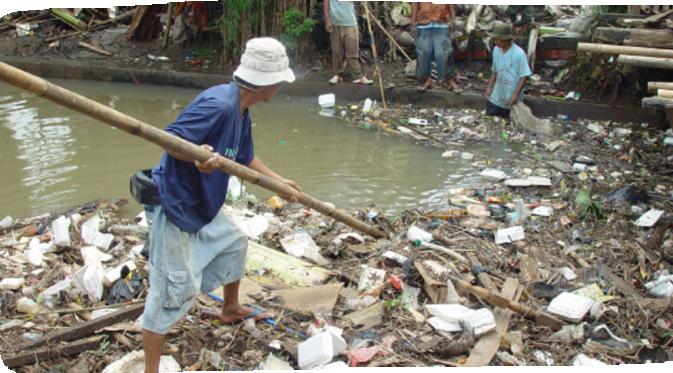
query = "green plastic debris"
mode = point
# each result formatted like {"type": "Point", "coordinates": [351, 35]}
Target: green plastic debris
{"type": "Point", "coordinates": [586, 205]}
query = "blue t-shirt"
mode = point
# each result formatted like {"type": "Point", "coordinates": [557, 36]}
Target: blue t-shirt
{"type": "Point", "coordinates": [510, 67]}
{"type": "Point", "coordinates": [189, 198]}
{"type": "Point", "coordinates": [342, 13]}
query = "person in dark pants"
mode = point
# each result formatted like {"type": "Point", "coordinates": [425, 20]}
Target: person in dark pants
{"type": "Point", "coordinates": [433, 39]}
{"type": "Point", "coordinates": [510, 71]}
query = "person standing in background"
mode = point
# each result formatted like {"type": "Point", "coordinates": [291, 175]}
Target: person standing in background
{"type": "Point", "coordinates": [341, 23]}
{"type": "Point", "coordinates": [433, 39]}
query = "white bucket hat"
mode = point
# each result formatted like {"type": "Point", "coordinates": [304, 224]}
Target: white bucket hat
{"type": "Point", "coordinates": [264, 63]}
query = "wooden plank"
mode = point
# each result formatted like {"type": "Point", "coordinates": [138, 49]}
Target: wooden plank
{"type": "Point", "coordinates": [483, 277]}
{"type": "Point", "coordinates": [89, 327]}
{"type": "Point", "coordinates": [665, 93]}
{"type": "Point", "coordinates": [310, 300]}
{"type": "Point", "coordinates": [484, 350]}
{"type": "Point", "coordinates": [635, 37]}
{"type": "Point", "coordinates": [71, 349]}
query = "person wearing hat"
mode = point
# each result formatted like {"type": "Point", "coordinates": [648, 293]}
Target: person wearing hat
{"type": "Point", "coordinates": [510, 71]}
{"type": "Point", "coordinates": [341, 23]}
{"type": "Point", "coordinates": [193, 246]}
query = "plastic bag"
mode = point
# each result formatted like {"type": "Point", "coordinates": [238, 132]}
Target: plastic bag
{"type": "Point", "coordinates": [585, 23]}
{"type": "Point", "coordinates": [522, 116]}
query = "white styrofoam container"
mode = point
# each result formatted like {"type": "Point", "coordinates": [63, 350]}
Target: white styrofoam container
{"type": "Point", "coordinates": [509, 235]}
{"type": "Point", "coordinates": [319, 350]}
{"type": "Point", "coordinates": [570, 306]}
{"type": "Point", "coordinates": [60, 228]}
{"type": "Point", "coordinates": [650, 218]}
{"type": "Point", "coordinates": [494, 174]}
{"type": "Point", "coordinates": [327, 100]}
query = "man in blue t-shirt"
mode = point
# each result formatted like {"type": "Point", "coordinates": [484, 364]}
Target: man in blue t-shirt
{"type": "Point", "coordinates": [193, 245]}
{"type": "Point", "coordinates": [510, 72]}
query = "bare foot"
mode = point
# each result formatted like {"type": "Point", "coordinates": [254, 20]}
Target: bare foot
{"type": "Point", "coordinates": [238, 314]}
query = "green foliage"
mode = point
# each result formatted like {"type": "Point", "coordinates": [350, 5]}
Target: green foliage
{"type": "Point", "coordinates": [296, 24]}
{"type": "Point", "coordinates": [231, 18]}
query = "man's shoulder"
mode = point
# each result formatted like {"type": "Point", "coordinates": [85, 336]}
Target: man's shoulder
{"type": "Point", "coordinates": [221, 96]}
{"type": "Point", "coordinates": [518, 51]}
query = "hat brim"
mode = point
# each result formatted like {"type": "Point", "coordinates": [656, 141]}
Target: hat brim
{"type": "Point", "coordinates": [500, 36]}
{"type": "Point", "coordinates": [263, 79]}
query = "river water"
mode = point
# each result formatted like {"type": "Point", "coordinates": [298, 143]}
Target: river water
{"type": "Point", "coordinates": [52, 158]}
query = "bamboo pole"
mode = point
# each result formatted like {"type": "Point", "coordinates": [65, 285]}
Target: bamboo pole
{"type": "Point", "coordinates": [624, 50]}
{"type": "Point", "coordinates": [392, 39]}
{"type": "Point", "coordinates": [665, 93]}
{"type": "Point", "coordinates": [72, 100]}
{"type": "Point", "coordinates": [68, 18]}
{"type": "Point", "coordinates": [654, 86]}
{"type": "Point", "coordinates": [375, 55]}
{"type": "Point", "coordinates": [651, 62]}
{"type": "Point", "coordinates": [496, 299]}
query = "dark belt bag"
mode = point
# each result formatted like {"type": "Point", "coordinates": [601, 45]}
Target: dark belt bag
{"type": "Point", "coordinates": [143, 189]}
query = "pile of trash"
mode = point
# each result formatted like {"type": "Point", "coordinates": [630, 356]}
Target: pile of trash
{"type": "Point", "coordinates": [563, 258]}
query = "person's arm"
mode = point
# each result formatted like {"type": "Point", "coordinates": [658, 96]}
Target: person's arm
{"type": "Point", "coordinates": [260, 167]}
{"type": "Point", "coordinates": [491, 83]}
{"type": "Point", "coordinates": [518, 90]}
{"type": "Point", "coordinates": [414, 13]}
{"type": "Point", "coordinates": [452, 12]}
{"type": "Point", "coordinates": [325, 15]}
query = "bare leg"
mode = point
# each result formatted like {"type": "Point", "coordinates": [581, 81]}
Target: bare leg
{"type": "Point", "coordinates": [153, 344]}
{"type": "Point", "coordinates": [232, 311]}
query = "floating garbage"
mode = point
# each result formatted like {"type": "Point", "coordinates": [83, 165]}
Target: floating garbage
{"type": "Point", "coordinates": [448, 317]}
{"type": "Point", "coordinates": [27, 305]}
{"type": "Point", "coordinates": [320, 350]}
{"type": "Point", "coordinates": [12, 283]}
{"type": "Point", "coordinates": [60, 228]}
{"type": "Point", "coordinates": [416, 234]}
{"type": "Point", "coordinates": [650, 218]}
{"type": "Point", "coordinates": [509, 235]}
{"type": "Point", "coordinates": [327, 100]}
{"type": "Point", "coordinates": [418, 121]}
{"type": "Point", "coordinates": [662, 287]}
{"type": "Point", "coordinates": [570, 306]}
{"type": "Point", "coordinates": [302, 245]}
{"type": "Point", "coordinates": [494, 174]}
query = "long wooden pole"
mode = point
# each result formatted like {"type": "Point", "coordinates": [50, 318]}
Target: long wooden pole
{"type": "Point", "coordinates": [496, 299]}
{"type": "Point", "coordinates": [651, 62]}
{"type": "Point", "coordinates": [624, 50]}
{"type": "Point", "coordinates": [375, 55]}
{"type": "Point", "coordinates": [665, 93]}
{"type": "Point", "coordinates": [72, 100]}
{"type": "Point", "coordinates": [654, 86]}
{"type": "Point", "coordinates": [392, 39]}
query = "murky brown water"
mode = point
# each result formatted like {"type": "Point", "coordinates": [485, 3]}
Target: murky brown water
{"type": "Point", "coordinates": [52, 158]}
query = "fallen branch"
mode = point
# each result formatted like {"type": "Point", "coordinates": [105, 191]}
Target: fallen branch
{"type": "Point", "coordinates": [89, 327]}
{"type": "Point", "coordinates": [97, 26]}
{"type": "Point", "coordinates": [71, 349]}
{"type": "Point", "coordinates": [94, 48]}
{"type": "Point", "coordinates": [446, 251]}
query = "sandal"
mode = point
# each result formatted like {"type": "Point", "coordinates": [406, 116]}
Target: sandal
{"type": "Point", "coordinates": [257, 311]}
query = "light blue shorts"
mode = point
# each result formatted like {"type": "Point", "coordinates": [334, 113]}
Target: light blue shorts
{"type": "Point", "coordinates": [183, 263]}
